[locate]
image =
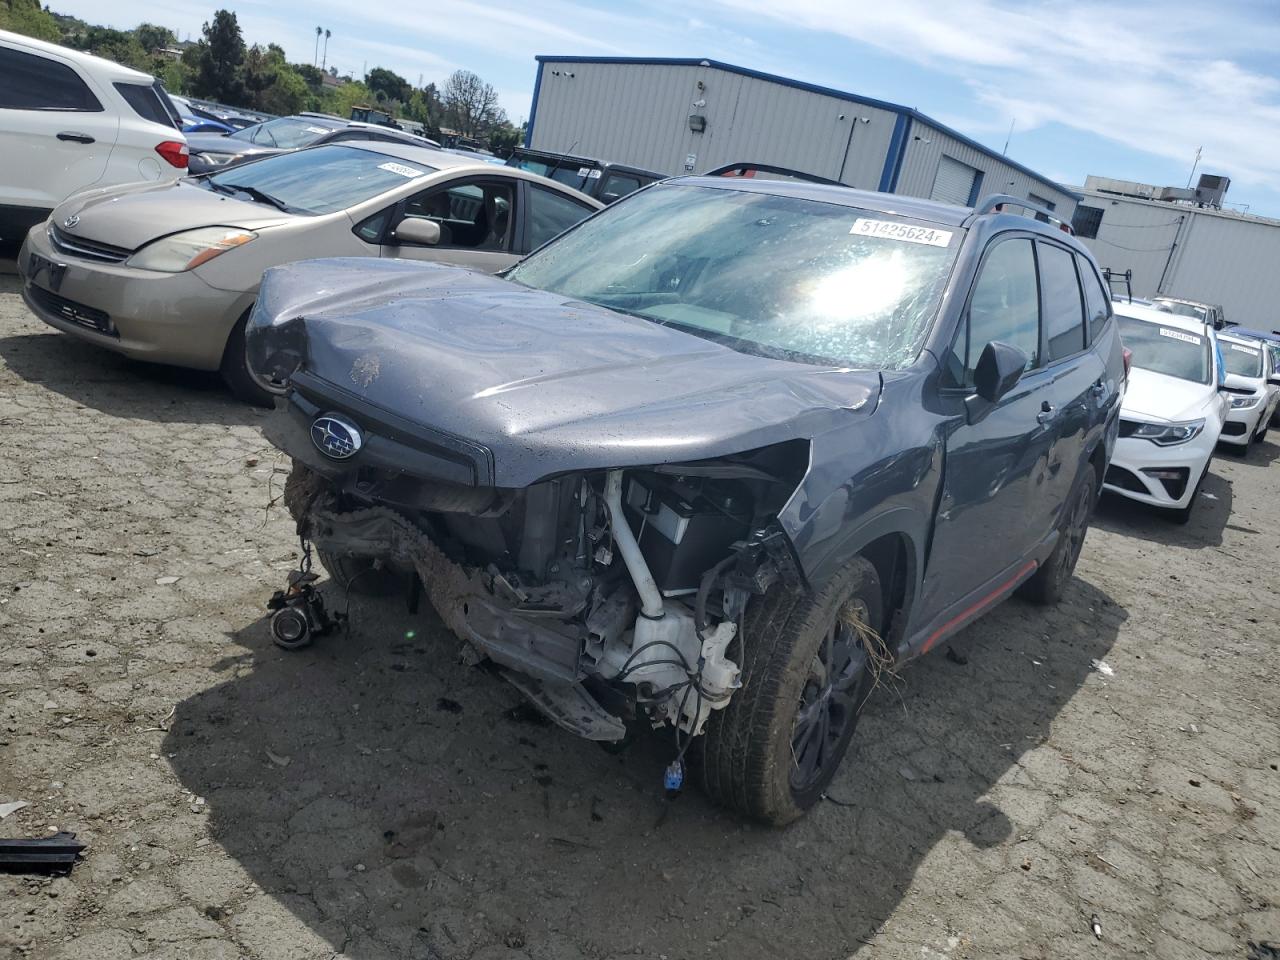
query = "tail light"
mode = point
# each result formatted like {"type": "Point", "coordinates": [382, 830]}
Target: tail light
{"type": "Point", "coordinates": [174, 152]}
{"type": "Point", "coordinates": [1128, 362]}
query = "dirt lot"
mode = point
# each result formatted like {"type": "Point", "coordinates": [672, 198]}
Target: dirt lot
{"type": "Point", "coordinates": [374, 798]}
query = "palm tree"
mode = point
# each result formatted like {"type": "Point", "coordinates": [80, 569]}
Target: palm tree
{"type": "Point", "coordinates": [316, 55]}
{"type": "Point", "coordinates": [325, 58]}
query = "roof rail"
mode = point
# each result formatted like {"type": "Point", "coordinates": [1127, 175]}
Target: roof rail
{"type": "Point", "coordinates": [998, 201]}
{"type": "Point", "coordinates": [749, 169]}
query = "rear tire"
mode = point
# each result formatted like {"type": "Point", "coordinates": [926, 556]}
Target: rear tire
{"type": "Point", "coordinates": [1049, 582]}
{"type": "Point", "coordinates": [771, 753]}
{"type": "Point", "coordinates": [235, 369]}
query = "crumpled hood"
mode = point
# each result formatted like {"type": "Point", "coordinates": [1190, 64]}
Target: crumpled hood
{"type": "Point", "coordinates": [1157, 396]}
{"type": "Point", "coordinates": [136, 214]}
{"type": "Point", "coordinates": [546, 383]}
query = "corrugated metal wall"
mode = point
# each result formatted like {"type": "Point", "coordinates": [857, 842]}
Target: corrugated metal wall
{"type": "Point", "coordinates": [1219, 257]}
{"type": "Point", "coordinates": [1137, 237]}
{"type": "Point", "coordinates": [927, 145]}
{"type": "Point", "coordinates": [638, 114]}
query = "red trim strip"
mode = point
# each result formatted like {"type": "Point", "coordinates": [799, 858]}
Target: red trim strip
{"type": "Point", "coordinates": [978, 607]}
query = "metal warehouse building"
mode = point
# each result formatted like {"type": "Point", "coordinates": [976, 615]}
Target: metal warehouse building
{"type": "Point", "coordinates": [1185, 246]}
{"type": "Point", "coordinates": [688, 116]}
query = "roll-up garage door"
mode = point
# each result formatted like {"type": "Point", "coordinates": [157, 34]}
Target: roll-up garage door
{"type": "Point", "coordinates": [954, 182]}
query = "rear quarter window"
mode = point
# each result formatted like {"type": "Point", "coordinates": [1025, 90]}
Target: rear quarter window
{"type": "Point", "coordinates": [144, 100]}
{"type": "Point", "coordinates": [1097, 304]}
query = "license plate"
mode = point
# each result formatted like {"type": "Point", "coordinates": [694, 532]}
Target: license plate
{"type": "Point", "coordinates": [37, 265]}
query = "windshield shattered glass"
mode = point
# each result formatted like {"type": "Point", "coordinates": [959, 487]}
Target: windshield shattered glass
{"type": "Point", "coordinates": [778, 276]}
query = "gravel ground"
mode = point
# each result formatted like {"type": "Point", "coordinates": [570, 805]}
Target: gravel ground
{"type": "Point", "coordinates": [372, 797]}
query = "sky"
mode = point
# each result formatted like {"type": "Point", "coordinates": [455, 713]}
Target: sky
{"type": "Point", "coordinates": [1116, 88]}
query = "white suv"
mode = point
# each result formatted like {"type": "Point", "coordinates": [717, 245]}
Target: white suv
{"type": "Point", "coordinates": [69, 121]}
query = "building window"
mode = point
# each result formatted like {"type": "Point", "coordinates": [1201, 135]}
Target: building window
{"type": "Point", "coordinates": [954, 182]}
{"type": "Point", "coordinates": [1041, 202]}
{"type": "Point", "coordinates": [1086, 221]}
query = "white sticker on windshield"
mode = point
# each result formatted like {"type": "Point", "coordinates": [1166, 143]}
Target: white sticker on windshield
{"type": "Point", "coordinates": [317, 129]}
{"type": "Point", "coordinates": [1180, 335]}
{"type": "Point", "coordinates": [888, 230]}
{"type": "Point", "coordinates": [402, 169]}
{"type": "Point", "coordinates": [594, 175]}
{"type": "Point", "coordinates": [584, 171]}
{"type": "Point", "coordinates": [1249, 350]}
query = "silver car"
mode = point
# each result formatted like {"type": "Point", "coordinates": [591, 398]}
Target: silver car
{"type": "Point", "coordinates": [169, 272]}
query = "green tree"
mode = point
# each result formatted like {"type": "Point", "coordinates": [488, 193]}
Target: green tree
{"type": "Point", "coordinates": [153, 37]}
{"type": "Point", "coordinates": [271, 82]}
{"type": "Point", "coordinates": [122, 46]}
{"type": "Point", "coordinates": [505, 138]}
{"type": "Point", "coordinates": [220, 61]}
{"type": "Point", "coordinates": [387, 85]}
{"type": "Point", "coordinates": [28, 17]}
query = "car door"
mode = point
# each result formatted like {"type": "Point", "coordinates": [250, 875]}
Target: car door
{"type": "Point", "coordinates": [991, 517]}
{"type": "Point", "coordinates": [55, 134]}
{"type": "Point", "coordinates": [1077, 389]}
{"type": "Point", "coordinates": [476, 216]}
{"type": "Point", "coordinates": [547, 213]}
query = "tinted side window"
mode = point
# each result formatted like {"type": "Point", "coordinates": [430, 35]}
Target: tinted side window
{"type": "Point", "coordinates": [1063, 305]}
{"type": "Point", "coordinates": [1097, 303]}
{"type": "Point", "coordinates": [145, 102]}
{"type": "Point", "coordinates": [551, 213]}
{"type": "Point", "coordinates": [617, 186]}
{"type": "Point", "coordinates": [1005, 305]}
{"type": "Point", "coordinates": [29, 82]}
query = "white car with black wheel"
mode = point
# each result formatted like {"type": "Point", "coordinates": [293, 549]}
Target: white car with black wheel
{"type": "Point", "coordinates": [1253, 397]}
{"type": "Point", "coordinates": [1172, 413]}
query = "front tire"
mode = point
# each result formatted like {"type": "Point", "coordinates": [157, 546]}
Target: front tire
{"type": "Point", "coordinates": [808, 665]}
{"type": "Point", "coordinates": [235, 369]}
{"type": "Point", "coordinates": [1049, 582]}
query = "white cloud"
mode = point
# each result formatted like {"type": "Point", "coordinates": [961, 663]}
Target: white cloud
{"type": "Point", "coordinates": [1163, 79]}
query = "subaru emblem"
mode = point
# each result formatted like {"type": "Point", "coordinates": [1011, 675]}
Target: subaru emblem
{"type": "Point", "coordinates": [71, 221]}
{"type": "Point", "coordinates": [335, 436]}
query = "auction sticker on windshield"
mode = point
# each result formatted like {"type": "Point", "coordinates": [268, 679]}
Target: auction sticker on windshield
{"type": "Point", "coordinates": [1249, 350]}
{"type": "Point", "coordinates": [888, 230]}
{"type": "Point", "coordinates": [1179, 335]}
{"type": "Point", "coordinates": [402, 169]}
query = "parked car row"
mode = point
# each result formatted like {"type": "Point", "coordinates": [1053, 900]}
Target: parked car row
{"type": "Point", "coordinates": [1191, 387]}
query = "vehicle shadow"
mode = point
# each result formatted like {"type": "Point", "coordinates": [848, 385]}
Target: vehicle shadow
{"type": "Point", "coordinates": [113, 384]}
{"type": "Point", "coordinates": [400, 803]}
{"type": "Point", "coordinates": [1212, 512]}
{"type": "Point", "coordinates": [1258, 454]}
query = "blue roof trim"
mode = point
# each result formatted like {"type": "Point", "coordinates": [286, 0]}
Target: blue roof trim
{"type": "Point", "coordinates": [533, 109]}
{"type": "Point", "coordinates": [812, 88]}
{"type": "Point", "coordinates": [893, 156]}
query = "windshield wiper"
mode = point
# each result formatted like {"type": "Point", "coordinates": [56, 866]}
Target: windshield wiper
{"type": "Point", "coordinates": [261, 197]}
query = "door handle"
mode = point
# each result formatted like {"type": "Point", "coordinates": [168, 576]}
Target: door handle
{"type": "Point", "coordinates": [1047, 410]}
{"type": "Point", "coordinates": [77, 137]}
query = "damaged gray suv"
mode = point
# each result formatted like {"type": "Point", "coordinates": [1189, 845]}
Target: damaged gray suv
{"type": "Point", "coordinates": [713, 459]}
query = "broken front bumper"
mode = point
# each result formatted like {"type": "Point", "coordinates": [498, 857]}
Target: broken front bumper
{"type": "Point", "coordinates": [540, 653]}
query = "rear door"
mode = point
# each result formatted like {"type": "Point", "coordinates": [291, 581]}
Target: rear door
{"type": "Point", "coordinates": [55, 134]}
{"type": "Point", "coordinates": [1077, 382]}
{"type": "Point", "coordinates": [477, 218]}
{"type": "Point", "coordinates": [991, 515]}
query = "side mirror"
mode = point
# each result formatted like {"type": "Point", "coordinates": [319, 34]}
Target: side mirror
{"type": "Point", "coordinates": [417, 230]}
{"type": "Point", "coordinates": [999, 369]}
{"type": "Point", "coordinates": [1274, 379]}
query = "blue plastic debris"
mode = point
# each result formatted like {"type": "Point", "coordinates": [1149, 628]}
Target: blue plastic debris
{"type": "Point", "coordinates": [673, 779]}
